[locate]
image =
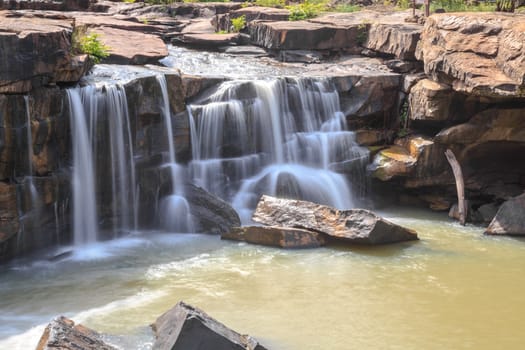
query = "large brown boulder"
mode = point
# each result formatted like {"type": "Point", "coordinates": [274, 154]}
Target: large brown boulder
{"type": "Point", "coordinates": [358, 226]}
{"type": "Point", "coordinates": [63, 334]}
{"type": "Point", "coordinates": [477, 53]}
{"type": "Point", "coordinates": [185, 327]}
{"type": "Point", "coordinates": [510, 218]}
{"type": "Point", "coordinates": [36, 52]}
{"type": "Point", "coordinates": [274, 236]}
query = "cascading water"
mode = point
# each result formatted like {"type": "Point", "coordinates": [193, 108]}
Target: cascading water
{"type": "Point", "coordinates": [283, 137]}
{"type": "Point", "coordinates": [175, 212]}
{"type": "Point", "coordinates": [91, 107]}
{"type": "Point", "coordinates": [85, 223]}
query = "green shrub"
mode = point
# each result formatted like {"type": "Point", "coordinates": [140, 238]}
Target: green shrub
{"type": "Point", "coordinates": [239, 23]}
{"type": "Point", "coordinates": [347, 8]}
{"type": "Point", "coordinates": [91, 45]}
{"type": "Point", "coordinates": [307, 9]}
{"type": "Point", "coordinates": [270, 3]}
{"type": "Point", "coordinates": [404, 4]}
{"type": "Point", "coordinates": [461, 6]}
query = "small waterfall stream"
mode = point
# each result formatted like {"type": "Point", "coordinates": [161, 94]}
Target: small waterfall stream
{"type": "Point", "coordinates": [283, 137]}
{"type": "Point", "coordinates": [175, 212]}
{"type": "Point", "coordinates": [103, 164]}
{"type": "Point", "coordinates": [85, 223]}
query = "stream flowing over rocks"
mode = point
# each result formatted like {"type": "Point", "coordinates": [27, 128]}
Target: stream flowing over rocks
{"type": "Point", "coordinates": [345, 110]}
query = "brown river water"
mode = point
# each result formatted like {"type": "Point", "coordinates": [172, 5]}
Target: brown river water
{"type": "Point", "coordinates": [454, 289]}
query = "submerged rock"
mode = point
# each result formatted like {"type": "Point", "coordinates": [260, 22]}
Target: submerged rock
{"type": "Point", "coordinates": [185, 327]}
{"type": "Point", "coordinates": [510, 218]}
{"type": "Point", "coordinates": [358, 226]}
{"type": "Point", "coordinates": [63, 334]}
{"type": "Point", "coordinates": [283, 237]}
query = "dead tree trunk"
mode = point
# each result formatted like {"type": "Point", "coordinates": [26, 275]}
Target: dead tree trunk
{"type": "Point", "coordinates": [460, 185]}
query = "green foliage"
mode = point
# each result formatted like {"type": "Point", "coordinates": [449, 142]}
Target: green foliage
{"type": "Point", "coordinates": [461, 6]}
{"type": "Point", "coordinates": [307, 9]}
{"type": "Point", "coordinates": [505, 5]}
{"type": "Point", "coordinates": [404, 4]}
{"type": "Point", "coordinates": [347, 8]}
{"type": "Point", "coordinates": [129, 1]}
{"type": "Point", "coordinates": [159, 2]}
{"type": "Point", "coordinates": [91, 45]}
{"type": "Point", "coordinates": [362, 32]}
{"type": "Point", "coordinates": [270, 3]}
{"type": "Point", "coordinates": [221, 32]}
{"type": "Point", "coordinates": [239, 23]}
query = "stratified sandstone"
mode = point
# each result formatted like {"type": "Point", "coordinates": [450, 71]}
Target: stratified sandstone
{"type": "Point", "coordinates": [36, 52]}
{"type": "Point", "coordinates": [477, 53]}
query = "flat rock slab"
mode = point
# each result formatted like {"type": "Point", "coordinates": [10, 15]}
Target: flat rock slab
{"type": "Point", "coordinates": [302, 35]}
{"type": "Point", "coordinates": [185, 327]}
{"type": "Point", "coordinates": [209, 40]}
{"type": "Point", "coordinates": [123, 50]}
{"type": "Point", "coordinates": [63, 334]}
{"type": "Point", "coordinates": [477, 53]}
{"type": "Point", "coordinates": [283, 237]}
{"type": "Point", "coordinates": [358, 226]}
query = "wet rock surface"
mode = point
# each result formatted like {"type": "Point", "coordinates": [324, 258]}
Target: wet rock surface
{"type": "Point", "coordinates": [510, 218]}
{"type": "Point", "coordinates": [358, 226]}
{"type": "Point", "coordinates": [186, 327]}
{"type": "Point", "coordinates": [63, 334]}
{"type": "Point", "coordinates": [274, 236]}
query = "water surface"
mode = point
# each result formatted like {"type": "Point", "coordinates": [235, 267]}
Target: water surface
{"type": "Point", "coordinates": [454, 289]}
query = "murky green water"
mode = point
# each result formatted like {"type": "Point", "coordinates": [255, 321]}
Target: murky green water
{"type": "Point", "coordinates": [454, 289]}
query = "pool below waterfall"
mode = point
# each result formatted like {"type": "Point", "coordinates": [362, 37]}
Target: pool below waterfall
{"type": "Point", "coordinates": [454, 289]}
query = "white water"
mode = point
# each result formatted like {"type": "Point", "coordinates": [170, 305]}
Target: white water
{"type": "Point", "coordinates": [175, 211]}
{"type": "Point", "coordinates": [85, 224]}
{"type": "Point", "coordinates": [280, 137]}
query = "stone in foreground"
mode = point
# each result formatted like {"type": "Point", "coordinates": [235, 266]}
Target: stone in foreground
{"type": "Point", "coordinates": [63, 334]}
{"type": "Point", "coordinates": [510, 218]}
{"type": "Point", "coordinates": [274, 236]}
{"type": "Point", "coordinates": [358, 226]}
{"type": "Point", "coordinates": [185, 327]}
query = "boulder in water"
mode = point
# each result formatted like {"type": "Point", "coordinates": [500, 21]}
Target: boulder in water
{"type": "Point", "coordinates": [358, 226]}
{"type": "Point", "coordinates": [63, 334]}
{"type": "Point", "coordinates": [210, 213]}
{"type": "Point", "coordinates": [510, 218]}
{"type": "Point", "coordinates": [274, 236]}
{"type": "Point", "coordinates": [185, 327]}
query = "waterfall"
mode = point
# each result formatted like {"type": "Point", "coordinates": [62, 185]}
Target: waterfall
{"type": "Point", "coordinates": [32, 189]}
{"type": "Point", "coordinates": [284, 137]}
{"type": "Point", "coordinates": [102, 156]}
{"type": "Point", "coordinates": [85, 223]}
{"type": "Point", "coordinates": [175, 212]}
